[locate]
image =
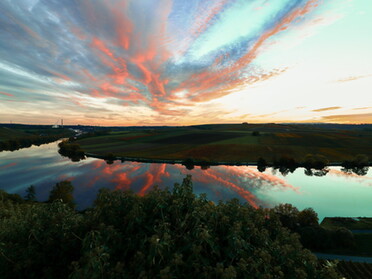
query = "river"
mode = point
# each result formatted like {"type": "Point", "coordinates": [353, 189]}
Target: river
{"type": "Point", "coordinates": [335, 194]}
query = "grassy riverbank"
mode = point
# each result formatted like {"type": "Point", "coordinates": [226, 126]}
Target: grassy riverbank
{"type": "Point", "coordinates": [16, 136]}
{"type": "Point", "coordinates": [233, 143]}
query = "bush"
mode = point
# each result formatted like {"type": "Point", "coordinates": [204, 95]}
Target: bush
{"type": "Point", "coordinates": [288, 215]}
{"type": "Point", "coordinates": [110, 158]}
{"type": "Point", "coordinates": [359, 165]}
{"type": "Point", "coordinates": [63, 191]}
{"type": "Point", "coordinates": [39, 240]}
{"type": "Point", "coordinates": [164, 234]}
{"type": "Point", "coordinates": [316, 161]}
{"type": "Point", "coordinates": [308, 217]}
{"type": "Point", "coordinates": [71, 150]}
{"type": "Point", "coordinates": [261, 164]}
{"type": "Point", "coordinates": [189, 163]}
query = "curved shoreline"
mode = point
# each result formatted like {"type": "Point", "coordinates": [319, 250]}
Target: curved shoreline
{"type": "Point", "coordinates": [195, 162]}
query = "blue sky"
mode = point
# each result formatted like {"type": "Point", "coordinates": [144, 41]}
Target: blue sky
{"type": "Point", "coordinates": [175, 62]}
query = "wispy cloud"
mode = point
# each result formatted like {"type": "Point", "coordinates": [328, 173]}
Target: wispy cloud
{"type": "Point", "coordinates": [352, 78]}
{"type": "Point", "coordinates": [325, 109]}
{"type": "Point", "coordinates": [349, 118]}
{"type": "Point", "coordinates": [362, 108]}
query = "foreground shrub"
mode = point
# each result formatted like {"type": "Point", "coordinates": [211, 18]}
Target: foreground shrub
{"type": "Point", "coordinates": [39, 240]}
{"type": "Point", "coordinates": [164, 234]}
{"type": "Point", "coordinates": [312, 235]}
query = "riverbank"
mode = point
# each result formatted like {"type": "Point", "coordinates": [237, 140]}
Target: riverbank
{"type": "Point", "coordinates": [238, 144]}
{"type": "Point", "coordinates": [14, 137]}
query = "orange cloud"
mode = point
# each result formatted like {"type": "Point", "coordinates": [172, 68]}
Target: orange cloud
{"type": "Point", "coordinates": [349, 118]}
{"type": "Point", "coordinates": [325, 109]}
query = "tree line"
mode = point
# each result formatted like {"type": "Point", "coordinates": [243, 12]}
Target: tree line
{"type": "Point", "coordinates": [24, 142]}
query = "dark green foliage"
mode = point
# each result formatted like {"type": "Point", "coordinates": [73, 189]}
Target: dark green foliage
{"type": "Point", "coordinates": [14, 139]}
{"type": "Point", "coordinates": [288, 215]}
{"type": "Point", "coordinates": [285, 165]}
{"type": "Point", "coordinates": [14, 198]}
{"type": "Point", "coordinates": [321, 239]}
{"type": "Point", "coordinates": [308, 217]}
{"type": "Point", "coordinates": [316, 161]}
{"type": "Point", "coordinates": [39, 240]}
{"type": "Point", "coordinates": [313, 236]}
{"type": "Point", "coordinates": [261, 164]}
{"type": "Point", "coordinates": [342, 237]}
{"type": "Point", "coordinates": [189, 163]}
{"type": "Point", "coordinates": [255, 133]}
{"type": "Point", "coordinates": [71, 150]}
{"type": "Point", "coordinates": [164, 234]}
{"type": "Point", "coordinates": [109, 158]}
{"type": "Point", "coordinates": [359, 165]}
{"type": "Point", "coordinates": [63, 191]}
{"type": "Point", "coordinates": [360, 223]}
{"type": "Point", "coordinates": [176, 234]}
{"type": "Point", "coordinates": [30, 193]}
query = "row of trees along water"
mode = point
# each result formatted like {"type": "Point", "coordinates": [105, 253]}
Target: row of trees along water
{"type": "Point", "coordinates": [314, 164]}
{"type": "Point", "coordinates": [163, 234]}
{"type": "Point", "coordinates": [27, 141]}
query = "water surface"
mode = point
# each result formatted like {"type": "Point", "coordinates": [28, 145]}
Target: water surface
{"type": "Point", "coordinates": [336, 194]}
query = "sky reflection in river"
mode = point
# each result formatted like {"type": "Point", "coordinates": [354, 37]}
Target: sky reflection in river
{"type": "Point", "coordinates": [337, 194]}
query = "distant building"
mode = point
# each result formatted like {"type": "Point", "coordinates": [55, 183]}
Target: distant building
{"type": "Point", "coordinates": [56, 126]}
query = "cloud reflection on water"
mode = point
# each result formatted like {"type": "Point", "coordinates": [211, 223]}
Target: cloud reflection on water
{"type": "Point", "coordinates": [43, 167]}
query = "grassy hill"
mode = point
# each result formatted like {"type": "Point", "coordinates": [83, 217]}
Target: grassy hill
{"type": "Point", "coordinates": [233, 143]}
{"type": "Point", "coordinates": [13, 137]}
{"type": "Point", "coordinates": [7, 134]}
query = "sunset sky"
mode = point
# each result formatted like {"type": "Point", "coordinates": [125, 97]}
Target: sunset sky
{"type": "Point", "coordinates": [178, 62]}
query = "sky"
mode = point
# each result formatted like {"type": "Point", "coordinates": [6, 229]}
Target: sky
{"type": "Point", "coordinates": [177, 62]}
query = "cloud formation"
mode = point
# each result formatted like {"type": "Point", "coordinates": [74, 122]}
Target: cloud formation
{"type": "Point", "coordinates": [325, 109]}
{"type": "Point", "coordinates": [351, 118]}
{"type": "Point", "coordinates": [158, 57]}
{"type": "Point", "coordinates": [352, 78]}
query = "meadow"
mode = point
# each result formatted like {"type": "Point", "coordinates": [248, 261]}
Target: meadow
{"type": "Point", "coordinates": [241, 143]}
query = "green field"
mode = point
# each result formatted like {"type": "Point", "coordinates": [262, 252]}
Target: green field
{"type": "Point", "coordinates": [24, 131]}
{"type": "Point", "coordinates": [233, 143]}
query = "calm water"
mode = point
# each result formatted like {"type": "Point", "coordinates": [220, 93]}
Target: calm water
{"type": "Point", "coordinates": [336, 194]}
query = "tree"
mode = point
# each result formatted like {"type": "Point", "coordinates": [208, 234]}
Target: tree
{"type": "Point", "coordinates": [30, 193]}
{"type": "Point", "coordinates": [359, 165]}
{"type": "Point", "coordinates": [189, 163]}
{"type": "Point", "coordinates": [288, 215]}
{"type": "Point", "coordinates": [63, 191]}
{"type": "Point", "coordinates": [261, 164]}
{"type": "Point", "coordinates": [308, 217]}
{"type": "Point", "coordinates": [316, 161]}
{"type": "Point", "coordinates": [255, 133]}
{"type": "Point", "coordinates": [110, 158]}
